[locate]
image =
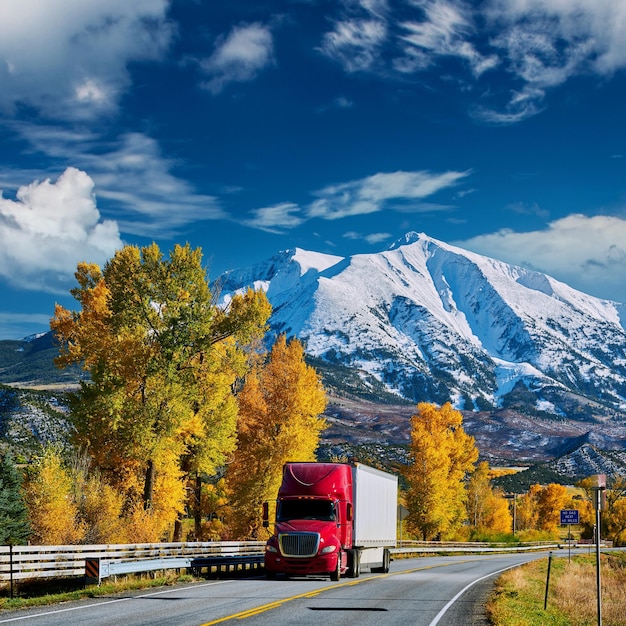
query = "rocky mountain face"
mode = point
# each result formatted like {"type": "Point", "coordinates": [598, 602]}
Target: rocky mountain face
{"type": "Point", "coordinates": [534, 364]}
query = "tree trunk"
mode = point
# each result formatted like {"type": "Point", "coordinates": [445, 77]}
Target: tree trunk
{"type": "Point", "coordinates": [197, 507]}
{"type": "Point", "coordinates": [148, 490]}
{"type": "Point", "coordinates": [178, 528]}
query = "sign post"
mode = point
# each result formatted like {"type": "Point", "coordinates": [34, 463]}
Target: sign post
{"type": "Point", "coordinates": [599, 504]}
{"type": "Point", "coordinates": [569, 517]}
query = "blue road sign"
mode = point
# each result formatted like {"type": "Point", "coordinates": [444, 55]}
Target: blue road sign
{"type": "Point", "coordinates": [569, 516]}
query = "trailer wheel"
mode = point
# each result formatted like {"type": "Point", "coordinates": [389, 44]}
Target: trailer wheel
{"type": "Point", "coordinates": [335, 575]}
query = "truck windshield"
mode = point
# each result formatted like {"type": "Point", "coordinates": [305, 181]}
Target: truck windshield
{"type": "Point", "coordinates": [306, 509]}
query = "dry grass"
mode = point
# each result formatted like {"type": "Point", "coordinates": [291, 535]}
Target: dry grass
{"type": "Point", "coordinates": [520, 593]}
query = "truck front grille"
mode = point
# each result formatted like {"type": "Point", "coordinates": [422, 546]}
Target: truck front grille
{"type": "Point", "coordinates": [299, 544]}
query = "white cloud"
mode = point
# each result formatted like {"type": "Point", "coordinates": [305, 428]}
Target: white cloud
{"type": "Point", "coordinates": [536, 45]}
{"type": "Point", "coordinates": [544, 43]}
{"type": "Point", "coordinates": [355, 43]}
{"type": "Point", "coordinates": [276, 218]}
{"type": "Point", "coordinates": [135, 176]}
{"type": "Point", "coordinates": [445, 31]}
{"type": "Point", "coordinates": [593, 33]}
{"type": "Point", "coordinates": [131, 174]}
{"type": "Point", "coordinates": [49, 228]}
{"type": "Point", "coordinates": [240, 56]}
{"type": "Point", "coordinates": [588, 253]}
{"type": "Point", "coordinates": [69, 58]}
{"type": "Point", "coordinates": [371, 194]}
{"type": "Point", "coordinates": [372, 238]}
{"type": "Point", "coordinates": [359, 197]}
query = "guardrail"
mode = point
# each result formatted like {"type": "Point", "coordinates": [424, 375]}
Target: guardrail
{"type": "Point", "coordinates": [96, 562]}
{"type": "Point", "coordinates": [31, 562]}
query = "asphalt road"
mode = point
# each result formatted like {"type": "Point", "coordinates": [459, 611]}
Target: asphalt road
{"type": "Point", "coordinates": [429, 591]}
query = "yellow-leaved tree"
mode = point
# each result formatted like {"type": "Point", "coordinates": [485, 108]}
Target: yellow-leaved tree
{"type": "Point", "coordinates": [539, 508]}
{"type": "Point", "coordinates": [442, 455]}
{"type": "Point", "coordinates": [163, 358]}
{"type": "Point", "coordinates": [51, 500]}
{"type": "Point", "coordinates": [487, 508]}
{"type": "Point", "coordinates": [280, 407]}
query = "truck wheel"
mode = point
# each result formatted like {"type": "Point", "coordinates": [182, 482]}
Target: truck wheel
{"type": "Point", "coordinates": [335, 575]}
{"type": "Point", "coordinates": [355, 563]}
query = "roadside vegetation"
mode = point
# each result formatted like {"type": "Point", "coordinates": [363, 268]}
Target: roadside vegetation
{"type": "Point", "coordinates": [519, 596]}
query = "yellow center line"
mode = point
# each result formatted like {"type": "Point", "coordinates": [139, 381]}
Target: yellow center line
{"type": "Point", "coordinates": [310, 594]}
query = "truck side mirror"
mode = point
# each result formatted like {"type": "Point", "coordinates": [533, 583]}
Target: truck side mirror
{"type": "Point", "coordinates": [266, 515]}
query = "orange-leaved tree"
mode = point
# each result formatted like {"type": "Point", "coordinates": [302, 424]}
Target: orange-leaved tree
{"type": "Point", "coordinates": [279, 420]}
{"type": "Point", "coordinates": [163, 359]}
{"type": "Point", "coordinates": [442, 454]}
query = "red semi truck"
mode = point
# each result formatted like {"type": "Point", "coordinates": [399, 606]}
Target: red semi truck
{"type": "Point", "coordinates": [332, 519]}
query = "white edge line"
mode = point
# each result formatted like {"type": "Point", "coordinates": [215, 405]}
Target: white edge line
{"type": "Point", "coordinates": [97, 604]}
{"type": "Point", "coordinates": [458, 595]}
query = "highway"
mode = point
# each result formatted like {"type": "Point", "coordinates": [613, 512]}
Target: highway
{"type": "Point", "coordinates": [428, 591]}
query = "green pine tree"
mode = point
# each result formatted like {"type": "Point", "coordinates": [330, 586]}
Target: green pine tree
{"type": "Point", "coordinates": [14, 522]}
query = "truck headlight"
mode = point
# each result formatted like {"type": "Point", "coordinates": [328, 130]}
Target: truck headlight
{"type": "Point", "coordinates": [270, 549]}
{"type": "Point", "coordinates": [328, 549]}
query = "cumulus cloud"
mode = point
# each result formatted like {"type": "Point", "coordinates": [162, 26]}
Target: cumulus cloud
{"type": "Point", "coordinates": [240, 56]}
{"type": "Point", "coordinates": [372, 194]}
{"type": "Point", "coordinates": [69, 58]}
{"type": "Point", "coordinates": [588, 253]}
{"type": "Point", "coordinates": [49, 228]}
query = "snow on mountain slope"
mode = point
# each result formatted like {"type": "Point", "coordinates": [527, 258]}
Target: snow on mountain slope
{"type": "Point", "coordinates": [434, 322]}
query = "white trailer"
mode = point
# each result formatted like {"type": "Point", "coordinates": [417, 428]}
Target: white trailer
{"type": "Point", "coordinates": [375, 497]}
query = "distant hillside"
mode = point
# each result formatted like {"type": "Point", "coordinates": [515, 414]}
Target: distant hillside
{"type": "Point", "coordinates": [30, 361]}
{"type": "Point", "coordinates": [29, 418]}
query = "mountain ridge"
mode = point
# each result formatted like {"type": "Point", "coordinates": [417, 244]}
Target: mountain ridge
{"type": "Point", "coordinates": [433, 322]}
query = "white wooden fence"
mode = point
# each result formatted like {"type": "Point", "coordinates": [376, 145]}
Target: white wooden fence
{"type": "Point", "coordinates": [29, 562]}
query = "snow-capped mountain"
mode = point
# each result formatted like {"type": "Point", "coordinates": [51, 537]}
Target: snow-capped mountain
{"type": "Point", "coordinates": [428, 321]}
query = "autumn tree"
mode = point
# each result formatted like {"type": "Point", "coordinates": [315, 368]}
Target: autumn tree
{"type": "Point", "coordinates": [539, 508]}
{"type": "Point", "coordinates": [527, 509]}
{"type": "Point", "coordinates": [613, 518]}
{"type": "Point", "coordinates": [279, 420]}
{"type": "Point", "coordinates": [50, 496]}
{"type": "Point", "coordinates": [442, 455]}
{"type": "Point", "coordinates": [163, 359]}
{"type": "Point", "coordinates": [552, 499]}
{"type": "Point", "coordinates": [14, 522]}
{"type": "Point", "coordinates": [487, 508]}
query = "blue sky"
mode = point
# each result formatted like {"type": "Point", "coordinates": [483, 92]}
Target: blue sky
{"type": "Point", "coordinates": [246, 127]}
